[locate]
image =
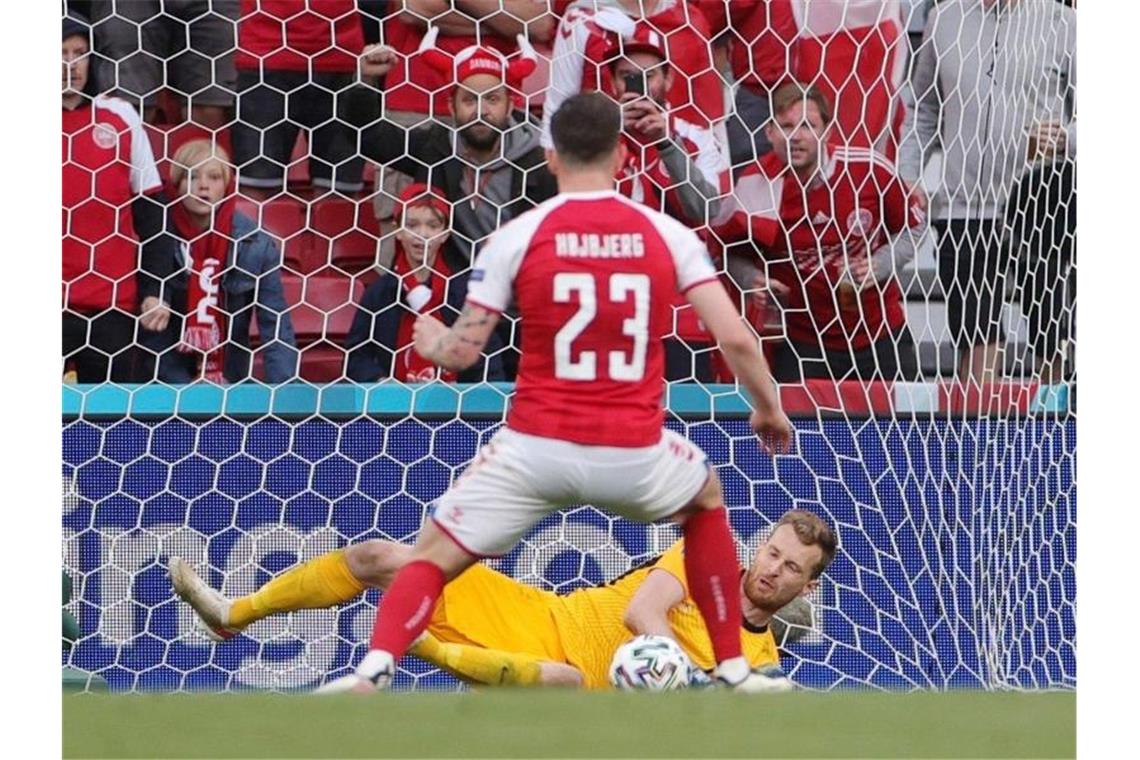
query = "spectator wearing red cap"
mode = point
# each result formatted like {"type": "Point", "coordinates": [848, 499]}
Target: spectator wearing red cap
{"type": "Point", "coordinates": [414, 90]}
{"type": "Point", "coordinates": [298, 66]}
{"type": "Point", "coordinates": [581, 48]}
{"type": "Point", "coordinates": [112, 199]}
{"type": "Point", "coordinates": [491, 166]}
{"type": "Point", "coordinates": [427, 277]}
{"type": "Point", "coordinates": [673, 165]}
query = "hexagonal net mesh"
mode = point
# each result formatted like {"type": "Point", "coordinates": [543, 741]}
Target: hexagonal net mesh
{"type": "Point", "coordinates": [261, 196]}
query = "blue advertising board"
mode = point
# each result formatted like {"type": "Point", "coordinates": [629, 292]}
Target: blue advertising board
{"type": "Point", "coordinates": [956, 566]}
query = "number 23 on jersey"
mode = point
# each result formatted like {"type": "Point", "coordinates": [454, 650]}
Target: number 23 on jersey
{"type": "Point", "coordinates": [626, 364]}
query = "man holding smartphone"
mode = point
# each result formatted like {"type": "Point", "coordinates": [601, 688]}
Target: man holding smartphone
{"type": "Point", "coordinates": [672, 165]}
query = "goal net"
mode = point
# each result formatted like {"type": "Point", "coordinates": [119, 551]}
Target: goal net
{"type": "Point", "coordinates": [912, 285]}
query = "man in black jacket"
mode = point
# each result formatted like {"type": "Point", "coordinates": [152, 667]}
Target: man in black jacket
{"type": "Point", "coordinates": [491, 166]}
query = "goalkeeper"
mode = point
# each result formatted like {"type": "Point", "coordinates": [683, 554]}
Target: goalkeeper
{"type": "Point", "coordinates": [491, 629]}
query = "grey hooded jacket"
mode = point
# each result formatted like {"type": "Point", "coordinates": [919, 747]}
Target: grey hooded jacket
{"type": "Point", "coordinates": [982, 77]}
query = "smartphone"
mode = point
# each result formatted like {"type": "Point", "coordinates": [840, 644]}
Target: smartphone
{"type": "Point", "coordinates": [635, 83]}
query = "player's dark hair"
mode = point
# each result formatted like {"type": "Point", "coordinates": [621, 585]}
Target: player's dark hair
{"type": "Point", "coordinates": [585, 129]}
{"type": "Point", "coordinates": [811, 530]}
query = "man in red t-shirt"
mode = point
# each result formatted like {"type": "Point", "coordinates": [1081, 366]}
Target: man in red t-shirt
{"type": "Point", "coordinates": [594, 275]}
{"type": "Point", "coordinates": [833, 227]}
{"type": "Point", "coordinates": [111, 199]}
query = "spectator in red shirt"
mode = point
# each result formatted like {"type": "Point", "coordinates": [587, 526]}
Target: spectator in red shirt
{"type": "Point", "coordinates": [428, 277]}
{"type": "Point", "coordinates": [585, 34]}
{"type": "Point", "coordinates": [833, 227]}
{"type": "Point", "coordinates": [111, 199]}
{"type": "Point", "coordinates": [671, 165]}
{"type": "Point", "coordinates": [298, 66]}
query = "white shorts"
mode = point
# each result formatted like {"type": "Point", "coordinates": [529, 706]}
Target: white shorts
{"type": "Point", "coordinates": [517, 479]}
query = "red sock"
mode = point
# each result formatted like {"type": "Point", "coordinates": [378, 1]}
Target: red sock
{"type": "Point", "coordinates": [406, 607]}
{"type": "Point", "coordinates": [714, 578]}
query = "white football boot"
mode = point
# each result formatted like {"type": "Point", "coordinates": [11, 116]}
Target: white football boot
{"type": "Point", "coordinates": [373, 674]}
{"type": "Point", "coordinates": [768, 680]}
{"type": "Point", "coordinates": [212, 608]}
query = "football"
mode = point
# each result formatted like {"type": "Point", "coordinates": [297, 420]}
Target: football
{"type": "Point", "coordinates": [653, 663]}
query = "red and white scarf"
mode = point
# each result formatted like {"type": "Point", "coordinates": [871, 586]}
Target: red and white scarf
{"type": "Point", "coordinates": [204, 326]}
{"type": "Point", "coordinates": [418, 298]}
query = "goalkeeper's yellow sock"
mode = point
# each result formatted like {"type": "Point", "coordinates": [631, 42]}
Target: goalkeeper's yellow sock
{"type": "Point", "coordinates": [492, 667]}
{"type": "Point", "coordinates": [318, 583]}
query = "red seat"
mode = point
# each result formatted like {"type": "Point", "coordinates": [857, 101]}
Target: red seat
{"type": "Point", "coordinates": [322, 305]}
{"type": "Point", "coordinates": [297, 174]}
{"type": "Point", "coordinates": [322, 362]}
{"type": "Point", "coordinates": [350, 227]}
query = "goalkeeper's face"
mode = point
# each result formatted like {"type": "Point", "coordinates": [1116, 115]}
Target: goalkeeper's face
{"type": "Point", "coordinates": [781, 570]}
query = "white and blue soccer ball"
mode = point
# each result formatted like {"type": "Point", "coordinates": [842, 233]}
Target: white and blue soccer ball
{"type": "Point", "coordinates": [652, 663]}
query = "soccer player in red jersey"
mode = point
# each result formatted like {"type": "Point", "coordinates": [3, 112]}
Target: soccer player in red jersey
{"type": "Point", "coordinates": [593, 275]}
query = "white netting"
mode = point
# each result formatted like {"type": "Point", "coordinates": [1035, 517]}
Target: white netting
{"type": "Point", "coordinates": [913, 284]}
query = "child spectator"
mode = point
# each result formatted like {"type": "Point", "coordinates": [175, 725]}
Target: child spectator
{"type": "Point", "coordinates": [111, 200]}
{"type": "Point", "coordinates": [427, 277]}
{"type": "Point", "coordinates": [198, 305]}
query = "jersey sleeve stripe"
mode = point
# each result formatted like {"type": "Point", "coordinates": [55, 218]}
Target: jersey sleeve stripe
{"type": "Point", "coordinates": [703, 281]}
{"type": "Point", "coordinates": [474, 302]}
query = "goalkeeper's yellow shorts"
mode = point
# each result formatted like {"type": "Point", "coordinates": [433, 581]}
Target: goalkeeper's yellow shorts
{"type": "Point", "coordinates": [485, 608]}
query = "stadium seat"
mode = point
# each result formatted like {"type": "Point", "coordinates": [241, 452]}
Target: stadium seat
{"type": "Point", "coordinates": [351, 230]}
{"type": "Point", "coordinates": [322, 305]}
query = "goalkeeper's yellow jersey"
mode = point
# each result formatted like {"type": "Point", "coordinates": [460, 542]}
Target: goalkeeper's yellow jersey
{"type": "Point", "coordinates": [487, 609]}
{"type": "Point", "coordinates": [589, 623]}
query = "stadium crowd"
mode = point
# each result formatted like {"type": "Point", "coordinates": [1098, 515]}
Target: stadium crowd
{"type": "Point", "coordinates": [275, 189]}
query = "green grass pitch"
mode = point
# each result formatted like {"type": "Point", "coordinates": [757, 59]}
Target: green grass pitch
{"type": "Point", "coordinates": [514, 724]}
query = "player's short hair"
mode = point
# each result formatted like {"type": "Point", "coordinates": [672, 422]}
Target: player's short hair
{"type": "Point", "coordinates": [195, 154]}
{"type": "Point", "coordinates": [787, 95]}
{"type": "Point", "coordinates": [812, 530]}
{"type": "Point", "coordinates": [586, 128]}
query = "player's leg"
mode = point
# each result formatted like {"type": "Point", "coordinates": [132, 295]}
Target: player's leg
{"type": "Point", "coordinates": [485, 513]}
{"type": "Point", "coordinates": [406, 608]}
{"type": "Point", "coordinates": [713, 573]}
{"type": "Point", "coordinates": [673, 480]}
{"type": "Point", "coordinates": [324, 581]}
{"type": "Point", "coordinates": [495, 667]}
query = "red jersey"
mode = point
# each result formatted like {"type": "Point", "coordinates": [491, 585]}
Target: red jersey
{"type": "Point", "coordinates": [107, 163]}
{"type": "Point", "coordinates": [808, 236]}
{"type": "Point", "coordinates": [643, 178]}
{"type": "Point", "coordinates": [291, 35]}
{"type": "Point", "coordinates": [580, 59]}
{"type": "Point", "coordinates": [593, 276]}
